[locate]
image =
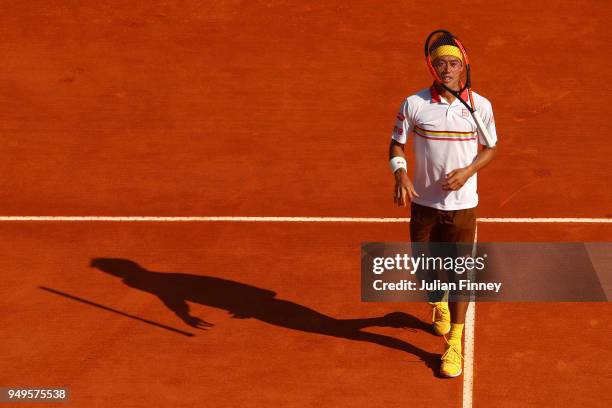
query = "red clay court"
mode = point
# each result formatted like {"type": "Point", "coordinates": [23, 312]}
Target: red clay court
{"type": "Point", "coordinates": [281, 109]}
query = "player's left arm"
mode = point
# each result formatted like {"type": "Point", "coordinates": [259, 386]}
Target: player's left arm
{"type": "Point", "coordinates": [457, 178]}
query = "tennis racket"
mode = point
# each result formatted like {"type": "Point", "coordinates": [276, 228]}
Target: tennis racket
{"type": "Point", "coordinates": [441, 38]}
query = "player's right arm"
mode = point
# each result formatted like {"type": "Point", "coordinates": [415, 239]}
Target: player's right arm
{"type": "Point", "coordinates": [404, 190]}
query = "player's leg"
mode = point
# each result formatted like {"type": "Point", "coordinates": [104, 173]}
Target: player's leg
{"type": "Point", "coordinates": [460, 228]}
{"type": "Point", "coordinates": [423, 220]}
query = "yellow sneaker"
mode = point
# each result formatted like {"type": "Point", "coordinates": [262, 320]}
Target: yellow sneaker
{"type": "Point", "coordinates": [452, 360]}
{"type": "Point", "coordinates": [440, 318]}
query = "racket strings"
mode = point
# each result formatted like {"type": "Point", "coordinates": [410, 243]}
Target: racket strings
{"type": "Point", "coordinates": [439, 40]}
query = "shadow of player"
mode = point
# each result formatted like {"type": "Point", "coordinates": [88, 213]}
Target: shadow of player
{"type": "Point", "coordinates": [245, 301]}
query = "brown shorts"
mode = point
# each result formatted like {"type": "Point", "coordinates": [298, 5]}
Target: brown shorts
{"type": "Point", "coordinates": [432, 225]}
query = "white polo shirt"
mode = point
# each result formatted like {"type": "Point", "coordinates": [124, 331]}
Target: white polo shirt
{"type": "Point", "coordinates": [445, 139]}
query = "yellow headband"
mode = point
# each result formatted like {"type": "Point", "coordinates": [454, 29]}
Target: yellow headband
{"type": "Point", "coordinates": [450, 50]}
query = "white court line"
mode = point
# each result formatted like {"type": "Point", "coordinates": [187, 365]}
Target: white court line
{"type": "Point", "coordinates": [470, 335]}
{"type": "Point", "coordinates": [468, 355]}
{"type": "Point", "coordinates": [547, 220]}
{"type": "Point", "coordinates": [277, 219]}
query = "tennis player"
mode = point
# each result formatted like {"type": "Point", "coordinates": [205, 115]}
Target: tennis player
{"type": "Point", "coordinates": [448, 154]}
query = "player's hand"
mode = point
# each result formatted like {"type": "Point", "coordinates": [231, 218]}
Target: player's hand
{"type": "Point", "coordinates": [197, 322]}
{"type": "Point", "coordinates": [457, 178]}
{"type": "Point", "coordinates": [404, 190]}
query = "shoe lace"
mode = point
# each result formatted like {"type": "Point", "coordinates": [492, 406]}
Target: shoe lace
{"type": "Point", "coordinates": [452, 353]}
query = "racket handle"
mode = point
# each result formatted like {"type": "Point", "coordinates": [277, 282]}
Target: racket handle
{"type": "Point", "coordinates": [483, 129]}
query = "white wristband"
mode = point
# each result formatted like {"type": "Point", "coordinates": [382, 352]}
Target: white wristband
{"type": "Point", "coordinates": [396, 163]}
